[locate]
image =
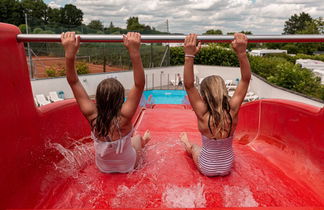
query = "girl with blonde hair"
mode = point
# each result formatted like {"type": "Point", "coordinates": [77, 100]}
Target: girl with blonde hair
{"type": "Point", "coordinates": [216, 112]}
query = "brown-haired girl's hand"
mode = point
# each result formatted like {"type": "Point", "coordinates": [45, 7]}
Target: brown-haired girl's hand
{"type": "Point", "coordinates": [239, 43]}
{"type": "Point", "coordinates": [190, 45]}
{"type": "Point", "coordinates": [71, 44]}
{"type": "Point", "coordinates": [132, 41]}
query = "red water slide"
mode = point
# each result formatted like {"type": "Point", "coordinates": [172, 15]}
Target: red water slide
{"type": "Point", "coordinates": [47, 158]}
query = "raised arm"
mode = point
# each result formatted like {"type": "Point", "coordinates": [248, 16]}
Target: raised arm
{"type": "Point", "coordinates": [239, 45]}
{"type": "Point", "coordinates": [71, 45]}
{"type": "Point", "coordinates": [191, 49]}
{"type": "Point", "coordinates": [133, 42]}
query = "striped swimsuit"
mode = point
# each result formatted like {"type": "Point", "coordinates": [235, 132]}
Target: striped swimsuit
{"type": "Point", "coordinates": [216, 156]}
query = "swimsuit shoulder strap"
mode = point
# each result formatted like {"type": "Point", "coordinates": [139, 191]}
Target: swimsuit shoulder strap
{"type": "Point", "coordinates": [118, 128]}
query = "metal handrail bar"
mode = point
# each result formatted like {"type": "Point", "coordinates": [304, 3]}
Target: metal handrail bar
{"type": "Point", "coordinates": [174, 38]}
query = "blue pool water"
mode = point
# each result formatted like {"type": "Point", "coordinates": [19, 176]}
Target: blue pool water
{"type": "Point", "coordinates": [166, 96]}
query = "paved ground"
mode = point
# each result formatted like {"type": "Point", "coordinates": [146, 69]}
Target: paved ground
{"type": "Point", "coordinates": [41, 63]}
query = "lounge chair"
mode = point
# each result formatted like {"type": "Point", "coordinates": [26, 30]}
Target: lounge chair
{"type": "Point", "coordinates": [250, 96]}
{"type": "Point", "coordinates": [41, 100]}
{"type": "Point", "coordinates": [54, 97]}
{"type": "Point", "coordinates": [228, 82]}
{"type": "Point", "coordinates": [230, 85]}
{"type": "Point", "coordinates": [231, 93]}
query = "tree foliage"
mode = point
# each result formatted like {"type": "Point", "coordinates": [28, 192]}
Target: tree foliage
{"type": "Point", "coordinates": [39, 14]}
{"type": "Point", "coordinates": [36, 9]}
{"type": "Point", "coordinates": [297, 23]}
{"type": "Point", "coordinates": [215, 32]}
{"type": "Point", "coordinates": [96, 25]}
{"type": "Point", "coordinates": [279, 69]}
{"type": "Point", "coordinates": [11, 11]}
{"type": "Point", "coordinates": [71, 15]}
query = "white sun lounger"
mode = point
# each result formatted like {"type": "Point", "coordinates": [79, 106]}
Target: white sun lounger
{"type": "Point", "coordinates": [54, 97]}
{"type": "Point", "coordinates": [230, 85]}
{"type": "Point", "coordinates": [250, 96]}
{"type": "Point", "coordinates": [41, 100]}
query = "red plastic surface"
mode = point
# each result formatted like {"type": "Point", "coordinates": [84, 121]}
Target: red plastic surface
{"type": "Point", "coordinates": [47, 158]}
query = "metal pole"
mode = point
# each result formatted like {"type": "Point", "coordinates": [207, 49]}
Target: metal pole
{"type": "Point", "coordinates": [151, 56]}
{"type": "Point", "coordinates": [152, 81]}
{"type": "Point", "coordinates": [168, 81]}
{"type": "Point", "coordinates": [174, 38]}
{"type": "Point", "coordinates": [161, 80]}
{"type": "Point", "coordinates": [30, 59]}
{"type": "Point", "coordinates": [166, 51]}
{"type": "Point", "coordinates": [145, 81]}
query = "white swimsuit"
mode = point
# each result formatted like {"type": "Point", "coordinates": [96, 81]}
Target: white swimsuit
{"type": "Point", "coordinates": [115, 156]}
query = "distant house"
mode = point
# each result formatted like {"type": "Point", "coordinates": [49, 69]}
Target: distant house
{"type": "Point", "coordinates": [262, 52]}
{"type": "Point", "coordinates": [314, 65]}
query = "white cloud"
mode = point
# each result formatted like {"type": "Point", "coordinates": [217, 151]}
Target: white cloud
{"type": "Point", "coordinates": [258, 16]}
{"type": "Point", "coordinates": [53, 5]}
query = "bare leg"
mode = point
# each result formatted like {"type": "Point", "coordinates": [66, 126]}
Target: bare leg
{"type": "Point", "coordinates": [192, 149]}
{"type": "Point", "coordinates": [138, 142]}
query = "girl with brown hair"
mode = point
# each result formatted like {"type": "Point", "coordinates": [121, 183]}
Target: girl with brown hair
{"type": "Point", "coordinates": [110, 117]}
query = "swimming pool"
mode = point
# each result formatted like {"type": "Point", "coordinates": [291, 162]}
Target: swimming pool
{"type": "Point", "coordinates": [166, 96]}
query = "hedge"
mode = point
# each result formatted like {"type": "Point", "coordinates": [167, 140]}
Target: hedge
{"type": "Point", "coordinates": [280, 69]}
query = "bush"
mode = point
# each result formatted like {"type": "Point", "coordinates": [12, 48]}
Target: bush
{"type": "Point", "coordinates": [265, 66]}
{"type": "Point", "coordinates": [50, 71]}
{"type": "Point", "coordinates": [55, 71]}
{"type": "Point", "coordinates": [211, 55]}
{"type": "Point", "coordinates": [82, 68]}
{"type": "Point", "coordinates": [61, 73]}
{"type": "Point", "coordinates": [37, 31]}
{"type": "Point", "coordinates": [279, 69]}
{"type": "Point", "coordinates": [281, 72]}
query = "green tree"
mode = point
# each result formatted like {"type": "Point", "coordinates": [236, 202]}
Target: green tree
{"type": "Point", "coordinates": [11, 11]}
{"type": "Point", "coordinates": [320, 24]}
{"type": "Point", "coordinates": [96, 25]}
{"type": "Point", "coordinates": [71, 15]}
{"type": "Point", "coordinates": [297, 23]}
{"type": "Point", "coordinates": [134, 25]}
{"type": "Point", "coordinates": [54, 16]}
{"type": "Point", "coordinates": [38, 31]}
{"type": "Point", "coordinates": [36, 11]}
{"type": "Point", "coordinates": [212, 31]}
{"type": "Point", "coordinates": [246, 32]}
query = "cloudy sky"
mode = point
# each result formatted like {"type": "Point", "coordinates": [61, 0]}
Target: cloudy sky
{"type": "Point", "coordinates": [197, 16]}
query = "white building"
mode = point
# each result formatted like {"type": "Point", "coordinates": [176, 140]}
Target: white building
{"type": "Point", "coordinates": [315, 66]}
{"type": "Point", "coordinates": [262, 52]}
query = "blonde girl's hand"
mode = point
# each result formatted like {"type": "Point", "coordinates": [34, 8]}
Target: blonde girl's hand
{"type": "Point", "coordinates": [71, 44]}
{"type": "Point", "coordinates": [190, 45]}
{"type": "Point", "coordinates": [239, 43]}
{"type": "Point", "coordinates": [132, 41]}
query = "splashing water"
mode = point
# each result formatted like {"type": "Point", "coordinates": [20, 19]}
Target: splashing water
{"type": "Point", "coordinates": [184, 197]}
{"type": "Point", "coordinates": [126, 196]}
{"type": "Point", "coordinates": [235, 196]}
{"type": "Point", "coordinates": [75, 158]}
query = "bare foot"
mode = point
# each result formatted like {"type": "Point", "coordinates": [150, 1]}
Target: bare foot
{"type": "Point", "coordinates": [184, 138]}
{"type": "Point", "coordinates": [146, 138]}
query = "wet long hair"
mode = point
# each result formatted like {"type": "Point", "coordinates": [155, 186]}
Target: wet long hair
{"type": "Point", "coordinates": [110, 96]}
{"type": "Point", "coordinates": [215, 95]}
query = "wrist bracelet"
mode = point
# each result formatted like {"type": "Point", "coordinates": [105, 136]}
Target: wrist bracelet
{"type": "Point", "coordinates": [187, 55]}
